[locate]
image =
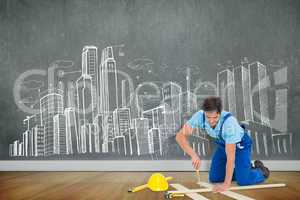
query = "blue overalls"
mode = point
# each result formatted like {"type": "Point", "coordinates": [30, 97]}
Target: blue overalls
{"type": "Point", "coordinates": [243, 173]}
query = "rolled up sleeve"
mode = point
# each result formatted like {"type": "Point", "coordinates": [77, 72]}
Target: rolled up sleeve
{"type": "Point", "coordinates": [195, 120]}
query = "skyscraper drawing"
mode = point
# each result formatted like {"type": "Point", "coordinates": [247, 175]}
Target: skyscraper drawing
{"type": "Point", "coordinates": [38, 137]}
{"type": "Point", "coordinates": [162, 126]}
{"type": "Point", "coordinates": [60, 134]}
{"type": "Point", "coordinates": [84, 107]}
{"type": "Point", "coordinates": [171, 96]}
{"type": "Point", "coordinates": [90, 138]}
{"type": "Point", "coordinates": [83, 137]}
{"type": "Point", "coordinates": [98, 122]}
{"type": "Point", "coordinates": [108, 81]}
{"type": "Point", "coordinates": [226, 90]}
{"type": "Point", "coordinates": [72, 134]}
{"type": "Point", "coordinates": [123, 93]}
{"type": "Point", "coordinates": [141, 126]}
{"type": "Point", "coordinates": [110, 130]}
{"type": "Point", "coordinates": [161, 118]}
{"type": "Point", "coordinates": [16, 148]}
{"type": "Point", "coordinates": [50, 105]}
{"type": "Point", "coordinates": [26, 143]}
{"type": "Point", "coordinates": [108, 92]}
{"type": "Point", "coordinates": [21, 149]}
{"type": "Point", "coordinates": [155, 141]}
{"type": "Point", "coordinates": [147, 101]}
{"type": "Point", "coordinates": [32, 121]}
{"type": "Point", "coordinates": [242, 91]}
{"type": "Point", "coordinates": [122, 121]}
{"type": "Point", "coordinates": [280, 116]}
{"type": "Point", "coordinates": [130, 141]}
{"type": "Point", "coordinates": [95, 138]}
{"type": "Point", "coordinates": [259, 83]}
{"type": "Point", "coordinates": [89, 67]}
{"type": "Point", "coordinates": [84, 97]}
{"type": "Point", "coordinates": [31, 143]}
{"type": "Point", "coordinates": [120, 145]}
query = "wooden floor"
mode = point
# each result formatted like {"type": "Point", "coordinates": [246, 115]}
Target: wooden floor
{"type": "Point", "coordinates": [114, 185]}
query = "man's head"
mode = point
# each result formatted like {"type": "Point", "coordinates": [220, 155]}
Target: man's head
{"type": "Point", "coordinates": [212, 107]}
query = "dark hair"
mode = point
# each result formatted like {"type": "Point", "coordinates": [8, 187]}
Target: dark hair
{"type": "Point", "coordinates": [212, 104]}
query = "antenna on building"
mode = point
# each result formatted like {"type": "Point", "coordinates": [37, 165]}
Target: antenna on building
{"type": "Point", "coordinates": [123, 93]}
{"type": "Point", "coordinates": [188, 81]}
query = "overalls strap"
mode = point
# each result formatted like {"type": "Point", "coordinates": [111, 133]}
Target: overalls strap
{"type": "Point", "coordinates": [221, 128]}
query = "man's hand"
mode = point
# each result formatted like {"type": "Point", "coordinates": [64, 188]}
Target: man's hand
{"type": "Point", "coordinates": [220, 187]}
{"type": "Point", "coordinates": [196, 162]}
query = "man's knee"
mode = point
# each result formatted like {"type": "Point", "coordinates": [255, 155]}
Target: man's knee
{"type": "Point", "coordinates": [243, 178]}
{"type": "Point", "coordinates": [242, 181]}
{"type": "Point", "coordinates": [248, 178]}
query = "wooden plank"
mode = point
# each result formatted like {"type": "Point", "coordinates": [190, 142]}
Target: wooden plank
{"type": "Point", "coordinates": [227, 193]}
{"type": "Point", "coordinates": [249, 187]}
{"type": "Point", "coordinates": [194, 196]}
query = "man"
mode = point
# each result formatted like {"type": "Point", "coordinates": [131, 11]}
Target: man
{"type": "Point", "coordinates": [232, 157]}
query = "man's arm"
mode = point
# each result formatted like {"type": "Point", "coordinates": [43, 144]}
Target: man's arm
{"type": "Point", "coordinates": [230, 154]}
{"type": "Point", "coordinates": [182, 140]}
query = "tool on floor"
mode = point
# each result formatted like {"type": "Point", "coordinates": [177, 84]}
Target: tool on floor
{"type": "Point", "coordinates": [157, 182]}
{"type": "Point", "coordinates": [198, 175]}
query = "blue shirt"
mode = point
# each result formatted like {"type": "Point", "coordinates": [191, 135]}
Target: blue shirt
{"type": "Point", "coordinates": [232, 132]}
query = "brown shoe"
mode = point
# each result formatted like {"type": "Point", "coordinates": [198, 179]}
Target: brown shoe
{"type": "Point", "coordinates": [260, 165]}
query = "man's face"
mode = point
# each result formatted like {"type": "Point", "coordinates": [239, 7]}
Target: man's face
{"type": "Point", "coordinates": [212, 117]}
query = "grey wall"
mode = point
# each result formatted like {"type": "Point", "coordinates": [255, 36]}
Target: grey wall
{"type": "Point", "coordinates": [158, 41]}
